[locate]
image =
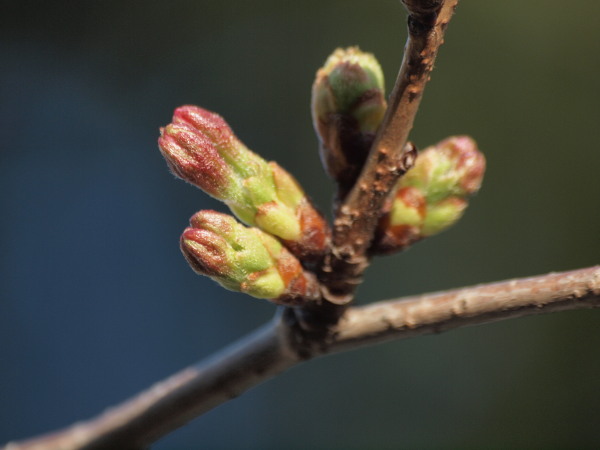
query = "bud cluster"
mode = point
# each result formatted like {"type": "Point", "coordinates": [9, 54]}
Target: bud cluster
{"type": "Point", "coordinates": [202, 149]}
{"type": "Point", "coordinates": [432, 195]}
{"type": "Point", "coordinates": [287, 236]}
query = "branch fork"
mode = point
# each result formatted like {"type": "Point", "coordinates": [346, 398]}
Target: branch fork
{"type": "Point", "coordinates": [390, 156]}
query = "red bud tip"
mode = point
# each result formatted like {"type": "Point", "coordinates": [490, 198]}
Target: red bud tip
{"type": "Point", "coordinates": [209, 123]}
{"type": "Point", "coordinates": [192, 156]}
{"type": "Point", "coordinates": [470, 161]}
{"type": "Point", "coordinates": [203, 251]}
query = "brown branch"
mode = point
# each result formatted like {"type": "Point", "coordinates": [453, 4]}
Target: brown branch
{"type": "Point", "coordinates": [281, 344]}
{"type": "Point", "coordinates": [390, 157]}
{"type": "Point", "coordinates": [173, 402]}
{"type": "Point", "coordinates": [443, 311]}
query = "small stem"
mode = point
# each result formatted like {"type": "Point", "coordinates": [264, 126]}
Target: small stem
{"type": "Point", "coordinates": [281, 344]}
{"type": "Point", "coordinates": [389, 157]}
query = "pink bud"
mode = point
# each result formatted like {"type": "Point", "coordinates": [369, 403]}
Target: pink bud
{"type": "Point", "coordinates": [206, 252]}
{"type": "Point", "coordinates": [212, 125]}
{"type": "Point", "coordinates": [192, 156]}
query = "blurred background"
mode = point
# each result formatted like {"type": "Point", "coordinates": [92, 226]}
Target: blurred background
{"type": "Point", "coordinates": [97, 303]}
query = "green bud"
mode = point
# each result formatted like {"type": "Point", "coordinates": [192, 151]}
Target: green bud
{"type": "Point", "coordinates": [246, 260]}
{"type": "Point", "coordinates": [409, 207]}
{"type": "Point", "coordinates": [347, 106]}
{"type": "Point", "coordinates": [202, 149]}
{"type": "Point", "coordinates": [432, 195]}
{"type": "Point", "coordinates": [270, 216]}
{"type": "Point", "coordinates": [442, 215]}
{"type": "Point", "coordinates": [453, 167]}
{"type": "Point", "coordinates": [350, 82]}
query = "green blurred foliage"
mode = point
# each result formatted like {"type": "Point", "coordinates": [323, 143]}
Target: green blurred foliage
{"type": "Point", "coordinates": [520, 77]}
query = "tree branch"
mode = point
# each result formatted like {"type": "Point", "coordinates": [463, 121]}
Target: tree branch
{"type": "Point", "coordinates": [389, 157]}
{"type": "Point", "coordinates": [171, 403]}
{"type": "Point", "coordinates": [443, 311]}
{"type": "Point", "coordinates": [282, 344]}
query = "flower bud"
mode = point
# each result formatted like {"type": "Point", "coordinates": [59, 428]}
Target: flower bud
{"type": "Point", "coordinates": [202, 149]}
{"type": "Point", "coordinates": [348, 105]}
{"type": "Point", "coordinates": [246, 260]}
{"type": "Point", "coordinates": [442, 215]}
{"type": "Point", "coordinates": [192, 157]}
{"type": "Point", "coordinates": [453, 167]}
{"type": "Point", "coordinates": [432, 195]}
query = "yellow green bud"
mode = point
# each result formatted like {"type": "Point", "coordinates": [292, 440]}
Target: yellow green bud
{"type": "Point", "coordinates": [347, 106]}
{"type": "Point", "coordinates": [432, 195]}
{"type": "Point", "coordinates": [246, 260]}
{"type": "Point", "coordinates": [442, 215]}
{"type": "Point", "coordinates": [202, 149]}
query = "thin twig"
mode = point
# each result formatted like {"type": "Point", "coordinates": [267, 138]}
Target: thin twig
{"type": "Point", "coordinates": [390, 157]}
{"type": "Point", "coordinates": [173, 402]}
{"type": "Point", "coordinates": [280, 345]}
{"type": "Point", "coordinates": [443, 311]}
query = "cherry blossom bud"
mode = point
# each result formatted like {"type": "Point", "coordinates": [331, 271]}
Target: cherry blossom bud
{"type": "Point", "coordinates": [348, 105]}
{"type": "Point", "coordinates": [246, 260]}
{"type": "Point", "coordinates": [202, 149]}
{"type": "Point", "coordinates": [432, 195]}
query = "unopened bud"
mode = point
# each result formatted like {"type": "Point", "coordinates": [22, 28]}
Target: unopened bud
{"type": "Point", "coordinates": [348, 105]}
{"type": "Point", "coordinates": [202, 149]}
{"type": "Point", "coordinates": [192, 157]}
{"type": "Point", "coordinates": [432, 195]}
{"type": "Point", "coordinates": [453, 167]}
{"type": "Point", "coordinates": [246, 260]}
{"type": "Point", "coordinates": [442, 215]}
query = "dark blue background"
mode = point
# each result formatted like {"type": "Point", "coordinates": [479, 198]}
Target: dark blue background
{"type": "Point", "coordinates": [96, 302]}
